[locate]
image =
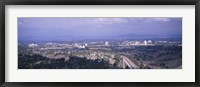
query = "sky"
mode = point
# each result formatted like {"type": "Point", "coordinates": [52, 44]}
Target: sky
{"type": "Point", "coordinates": [61, 29]}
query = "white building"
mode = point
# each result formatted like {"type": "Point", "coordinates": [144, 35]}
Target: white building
{"type": "Point", "coordinates": [145, 42]}
{"type": "Point", "coordinates": [106, 43]}
{"type": "Point", "coordinates": [149, 42]}
{"type": "Point", "coordinates": [137, 42]}
{"type": "Point", "coordinates": [79, 45]}
{"type": "Point", "coordinates": [76, 45]}
{"type": "Point", "coordinates": [32, 45]}
{"type": "Point", "coordinates": [86, 44]}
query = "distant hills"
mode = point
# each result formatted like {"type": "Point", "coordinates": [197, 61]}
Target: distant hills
{"type": "Point", "coordinates": [135, 36]}
{"type": "Point", "coordinates": [113, 37]}
{"type": "Point", "coordinates": [143, 36]}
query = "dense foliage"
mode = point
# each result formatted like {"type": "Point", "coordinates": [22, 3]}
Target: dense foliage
{"type": "Point", "coordinates": [39, 62]}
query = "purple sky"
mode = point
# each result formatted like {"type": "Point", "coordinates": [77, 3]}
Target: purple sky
{"type": "Point", "coordinates": [50, 29]}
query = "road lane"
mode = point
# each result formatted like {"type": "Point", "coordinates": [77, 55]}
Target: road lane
{"type": "Point", "coordinates": [129, 63]}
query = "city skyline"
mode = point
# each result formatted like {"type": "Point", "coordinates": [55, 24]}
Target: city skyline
{"type": "Point", "coordinates": [99, 43]}
{"type": "Point", "coordinates": [96, 28]}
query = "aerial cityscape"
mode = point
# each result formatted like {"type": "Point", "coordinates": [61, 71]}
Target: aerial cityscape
{"type": "Point", "coordinates": [99, 43]}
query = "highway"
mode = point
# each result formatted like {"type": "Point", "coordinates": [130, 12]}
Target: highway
{"type": "Point", "coordinates": [129, 63]}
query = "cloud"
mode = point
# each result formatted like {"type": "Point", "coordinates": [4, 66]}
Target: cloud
{"type": "Point", "coordinates": [149, 20]}
{"type": "Point", "coordinates": [22, 21]}
{"type": "Point", "coordinates": [161, 19]}
{"type": "Point", "coordinates": [26, 21]}
{"type": "Point", "coordinates": [111, 20]}
{"type": "Point", "coordinates": [95, 21]}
